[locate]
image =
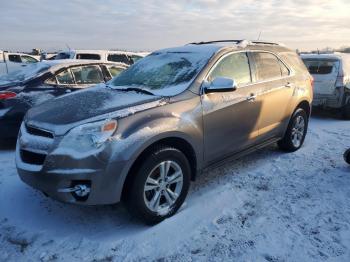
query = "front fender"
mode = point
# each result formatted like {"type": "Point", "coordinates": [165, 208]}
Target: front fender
{"type": "Point", "coordinates": [131, 143]}
{"type": "Point", "coordinates": [128, 146]}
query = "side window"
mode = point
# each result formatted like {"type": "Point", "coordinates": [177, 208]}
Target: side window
{"type": "Point", "coordinates": [51, 81]}
{"type": "Point", "coordinates": [88, 75]}
{"type": "Point", "coordinates": [15, 58]}
{"type": "Point", "coordinates": [114, 70]}
{"type": "Point", "coordinates": [234, 66]}
{"type": "Point", "coordinates": [89, 56]}
{"type": "Point", "coordinates": [28, 59]}
{"type": "Point", "coordinates": [65, 78]}
{"type": "Point", "coordinates": [268, 66]}
{"type": "Point", "coordinates": [121, 58]}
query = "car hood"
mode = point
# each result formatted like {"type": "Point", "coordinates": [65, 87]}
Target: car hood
{"type": "Point", "coordinates": [93, 104]}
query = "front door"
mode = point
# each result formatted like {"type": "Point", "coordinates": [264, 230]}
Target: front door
{"type": "Point", "coordinates": [230, 119]}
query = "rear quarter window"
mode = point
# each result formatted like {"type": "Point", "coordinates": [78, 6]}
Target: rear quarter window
{"type": "Point", "coordinates": [294, 61]}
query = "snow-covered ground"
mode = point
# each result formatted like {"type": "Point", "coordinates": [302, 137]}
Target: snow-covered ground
{"type": "Point", "coordinates": [268, 206]}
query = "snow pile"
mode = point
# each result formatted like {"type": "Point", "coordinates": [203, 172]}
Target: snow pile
{"type": "Point", "coordinates": [268, 206]}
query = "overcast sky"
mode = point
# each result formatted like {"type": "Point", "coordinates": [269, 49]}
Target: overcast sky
{"type": "Point", "coordinates": [154, 24]}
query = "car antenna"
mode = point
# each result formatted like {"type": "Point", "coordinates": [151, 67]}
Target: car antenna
{"type": "Point", "coordinates": [259, 36]}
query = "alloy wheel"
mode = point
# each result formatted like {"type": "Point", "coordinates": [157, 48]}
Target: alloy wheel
{"type": "Point", "coordinates": [298, 131]}
{"type": "Point", "coordinates": [163, 187]}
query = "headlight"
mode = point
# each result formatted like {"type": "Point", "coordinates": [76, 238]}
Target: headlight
{"type": "Point", "coordinates": [98, 132]}
{"type": "Point", "coordinates": [88, 136]}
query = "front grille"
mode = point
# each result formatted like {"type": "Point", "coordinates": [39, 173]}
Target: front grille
{"type": "Point", "coordinates": [38, 132]}
{"type": "Point", "coordinates": [32, 158]}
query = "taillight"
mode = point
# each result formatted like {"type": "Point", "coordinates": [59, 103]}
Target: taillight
{"type": "Point", "coordinates": [7, 95]}
{"type": "Point", "coordinates": [312, 82]}
{"type": "Point", "coordinates": [340, 81]}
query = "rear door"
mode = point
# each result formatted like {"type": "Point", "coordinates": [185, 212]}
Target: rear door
{"type": "Point", "coordinates": [276, 87]}
{"type": "Point", "coordinates": [325, 73]}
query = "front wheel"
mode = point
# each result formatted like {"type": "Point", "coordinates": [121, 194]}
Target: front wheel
{"type": "Point", "coordinates": [296, 132]}
{"type": "Point", "coordinates": [160, 185]}
{"type": "Point", "coordinates": [347, 156]}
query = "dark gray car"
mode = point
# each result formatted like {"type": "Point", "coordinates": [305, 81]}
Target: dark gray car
{"type": "Point", "coordinates": [146, 134]}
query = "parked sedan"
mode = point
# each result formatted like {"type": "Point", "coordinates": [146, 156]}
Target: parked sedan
{"type": "Point", "coordinates": [21, 90]}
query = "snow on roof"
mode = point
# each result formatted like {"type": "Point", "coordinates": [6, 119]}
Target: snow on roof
{"type": "Point", "coordinates": [36, 69]}
{"type": "Point", "coordinates": [102, 52]}
{"type": "Point", "coordinates": [57, 64]}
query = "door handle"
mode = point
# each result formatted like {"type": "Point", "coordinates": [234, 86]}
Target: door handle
{"type": "Point", "coordinates": [252, 97]}
{"type": "Point", "coordinates": [289, 85]}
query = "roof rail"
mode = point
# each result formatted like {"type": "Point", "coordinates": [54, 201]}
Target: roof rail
{"type": "Point", "coordinates": [264, 43]}
{"type": "Point", "coordinates": [216, 41]}
{"type": "Point", "coordinates": [236, 42]}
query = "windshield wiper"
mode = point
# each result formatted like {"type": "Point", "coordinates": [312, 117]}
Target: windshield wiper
{"type": "Point", "coordinates": [135, 89]}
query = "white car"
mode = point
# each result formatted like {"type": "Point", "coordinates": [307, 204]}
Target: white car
{"type": "Point", "coordinates": [331, 73]}
{"type": "Point", "coordinates": [124, 57]}
{"type": "Point", "coordinates": [10, 62]}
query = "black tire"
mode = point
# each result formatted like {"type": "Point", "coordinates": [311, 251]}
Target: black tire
{"type": "Point", "coordinates": [286, 143]}
{"type": "Point", "coordinates": [347, 156]}
{"type": "Point", "coordinates": [346, 110]}
{"type": "Point", "coordinates": [135, 201]}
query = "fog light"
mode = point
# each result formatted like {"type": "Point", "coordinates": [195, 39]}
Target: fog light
{"type": "Point", "coordinates": [79, 190]}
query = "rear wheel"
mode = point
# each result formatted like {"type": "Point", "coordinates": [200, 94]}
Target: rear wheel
{"type": "Point", "coordinates": [296, 132]}
{"type": "Point", "coordinates": [347, 156]}
{"type": "Point", "coordinates": [160, 185]}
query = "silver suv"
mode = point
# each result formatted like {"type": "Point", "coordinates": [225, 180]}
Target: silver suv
{"type": "Point", "coordinates": [331, 73]}
{"type": "Point", "coordinates": [147, 133]}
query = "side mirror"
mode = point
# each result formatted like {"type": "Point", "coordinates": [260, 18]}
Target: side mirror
{"type": "Point", "coordinates": [220, 84]}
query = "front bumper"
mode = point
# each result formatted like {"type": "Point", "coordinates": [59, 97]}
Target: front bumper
{"type": "Point", "coordinates": [59, 171]}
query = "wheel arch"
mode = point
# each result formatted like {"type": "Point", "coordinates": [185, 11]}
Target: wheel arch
{"type": "Point", "coordinates": [176, 142]}
{"type": "Point", "coordinates": [304, 105]}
